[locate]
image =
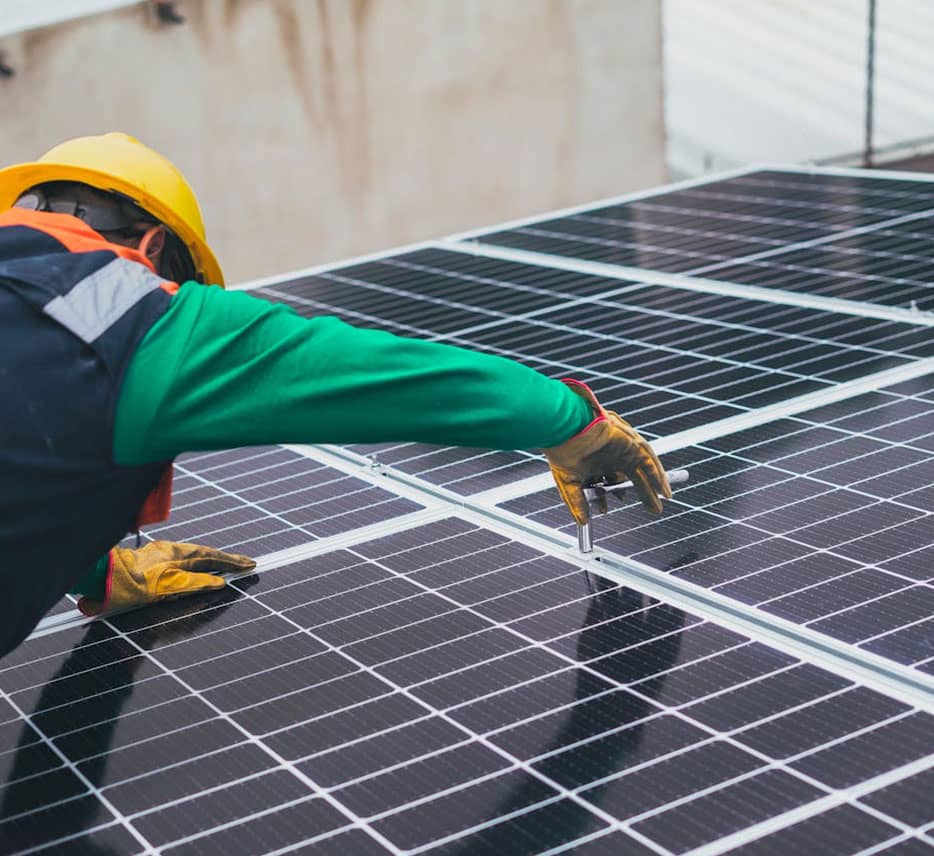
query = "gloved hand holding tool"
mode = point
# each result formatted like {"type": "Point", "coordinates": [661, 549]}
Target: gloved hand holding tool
{"type": "Point", "coordinates": [162, 570]}
{"type": "Point", "coordinates": [608, 451]}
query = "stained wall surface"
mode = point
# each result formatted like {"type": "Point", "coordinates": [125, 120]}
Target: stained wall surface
{"type": "Point", "coordinates": [321, 130]}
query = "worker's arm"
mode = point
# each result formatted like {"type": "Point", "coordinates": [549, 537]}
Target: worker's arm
{"type": "Point", "coordinates": [223, 369]}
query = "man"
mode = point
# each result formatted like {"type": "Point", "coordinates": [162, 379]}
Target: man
{"type": "Point", "coordinates": [115, 357]}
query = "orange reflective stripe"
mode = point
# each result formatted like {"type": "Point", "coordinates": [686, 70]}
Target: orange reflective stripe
{"type": "Point", "coordinates": [74, 234]}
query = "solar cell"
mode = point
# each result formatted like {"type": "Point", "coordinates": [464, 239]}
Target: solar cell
{"type": "Point", "coordinates": [823, 519]}
{"type": "Point", "coordinates": [460, 704]}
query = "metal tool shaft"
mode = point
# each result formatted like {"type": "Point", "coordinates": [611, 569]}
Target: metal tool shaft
{"type": "Point", "coordinates": [585, 532]}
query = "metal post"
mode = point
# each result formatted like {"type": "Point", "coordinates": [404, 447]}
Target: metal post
{"type": "Point", "coordinates": [594, 492]}
{"type": "Point", "coordinates": [870, 83]}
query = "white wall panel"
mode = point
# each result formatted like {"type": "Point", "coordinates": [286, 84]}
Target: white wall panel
{"type": "Point", "coordinates": [785, 80]}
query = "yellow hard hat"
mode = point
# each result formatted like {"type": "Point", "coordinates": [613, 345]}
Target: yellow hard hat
{"type": "Point", "coordinates": [122, 163]}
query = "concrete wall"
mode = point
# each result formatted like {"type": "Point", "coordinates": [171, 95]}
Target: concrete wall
{"type": "Point", "coordinates": [315, 130]}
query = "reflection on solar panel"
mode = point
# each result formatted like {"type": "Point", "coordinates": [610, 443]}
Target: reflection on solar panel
{"type": "Point", "coordinates": [419, 667]}
{"type": "Point", "coordinates": [750, 229]}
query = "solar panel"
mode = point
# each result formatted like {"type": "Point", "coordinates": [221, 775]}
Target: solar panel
{"type": "Point", "coordinates": [859, 238]}
{"type": "Point", "coordinates": [824, 519]}
{"type": "Point", "coordinates": [504, 700]}
{"type": "Point", "coordinates": [419, 667]}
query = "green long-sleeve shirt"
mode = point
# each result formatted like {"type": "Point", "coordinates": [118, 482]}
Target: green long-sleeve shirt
{"type": "Point", "coordinates": [223, 369]}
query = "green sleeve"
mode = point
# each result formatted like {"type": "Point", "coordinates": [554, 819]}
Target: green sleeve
{"type": "Point", "coordinates": [94, 583]}
{"type": "Point", "coordinates": [222, 369]}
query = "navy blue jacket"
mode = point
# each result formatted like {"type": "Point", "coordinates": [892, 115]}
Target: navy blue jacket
{"type": "Point", "coordinates": [73, 309]}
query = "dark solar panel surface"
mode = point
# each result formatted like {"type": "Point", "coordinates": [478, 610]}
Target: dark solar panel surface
{"type": "Point", "coordinates": [824, 519]}
{"type": "Point", "coordinates": [265, 499]}
{"type": "Point", "coordinates": [746, 229]}
{"type": "Point", "coordinates": [672, 360]}
{"type": "Point", "coordinates": [374, 699]}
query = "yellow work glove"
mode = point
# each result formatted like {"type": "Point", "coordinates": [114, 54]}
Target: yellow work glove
{"type": "Point", "coordinates": [608, 450]}
{"type": "Point", "coordinates": [160, 570]}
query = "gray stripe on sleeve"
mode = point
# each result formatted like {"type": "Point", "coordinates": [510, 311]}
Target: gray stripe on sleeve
{"type": "Point", "coordinates": [98, 301]}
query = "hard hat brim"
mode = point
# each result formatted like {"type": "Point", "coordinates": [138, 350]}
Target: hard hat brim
{"type": "Point", "coordinates": [16, 179]}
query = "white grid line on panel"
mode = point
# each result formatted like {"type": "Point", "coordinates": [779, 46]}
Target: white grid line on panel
{"type": "Point", "coordinates": [287, 556]}
{"type": "Point", "coordinates": [681, 231]}
{"type": "Point", "coordinates": [695, 283]}
{"type": "Point", "coordinates": [448, 839]}
{"type": "Point", "coordinates": [795, 815]}
{"type": "Point", "coordinates": [291, 848]}
{"type": "Point", "coordinates": [92, 789]}
{"type": "Point", "coordinates": [250, 453]}
{"type": "Point", "coordinates": [586, 839]}
{"type": "Point", "coordinates": [799, 268]}
{"type": "Point", "coordinates": [205, 792]}
{"type": "Point", "coordinates": [885, 845]}
{"type": "Point", "coordinates": [280, 762]}
{"type": "Point", "coordinates": [671, 709]}
{"type": "Point", "coordinates": [734, 424]}
{"type": "Point", "coordinates": [729, 217]}
{"type": "Point", "coordinates": [745, 173]}
{"type": "Point", "coordinates": [515, 763]}
{"type": "Point", "coordinates": [273, 452]}
{"type": "Point", "coordinates": [895, 630]}
{"type": "Point", "coordinates": [806, 206]}
{"type": "Point", "coordinates": [572, 302]}
{"type": "Point", "coordinates": [104, 691]}
{"type": "Point", "coordinates": [859, 252]}
{"type": "Point", "coordinates": [510, 286]}
{"type": "Point", "coordinates": [39, 848]}
{"type": "Point", "coordinates": [256, 815]}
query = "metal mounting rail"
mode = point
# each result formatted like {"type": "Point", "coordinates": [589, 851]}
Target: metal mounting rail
{"type": "Point", "coordinates": [902, 682]}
